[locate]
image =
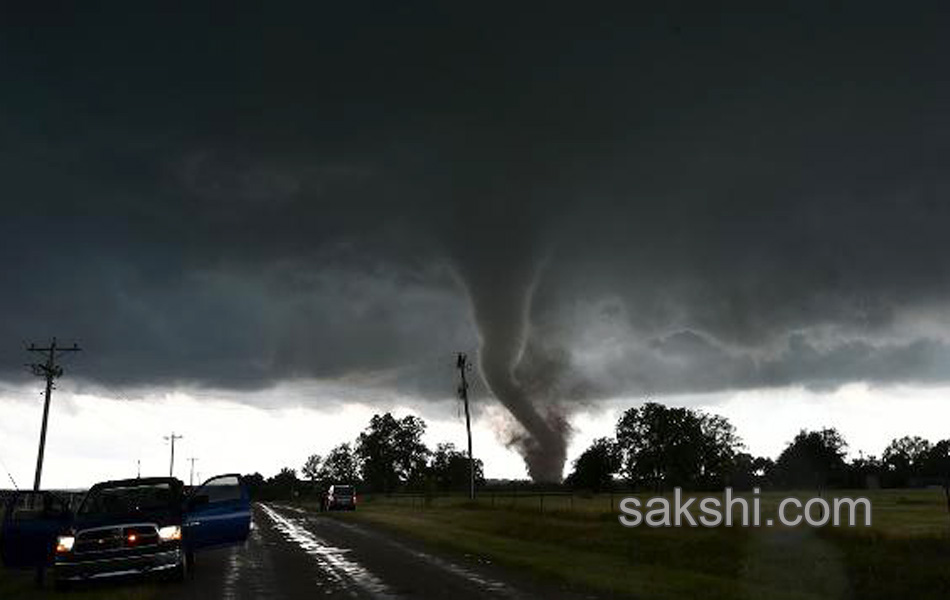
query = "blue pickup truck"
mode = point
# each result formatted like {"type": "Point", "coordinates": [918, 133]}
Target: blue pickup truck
{"type": "Point", "coordinates": [125, 527]}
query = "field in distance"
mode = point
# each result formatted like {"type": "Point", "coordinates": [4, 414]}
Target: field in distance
{"type": "Point", "coordinates": [578, 540]}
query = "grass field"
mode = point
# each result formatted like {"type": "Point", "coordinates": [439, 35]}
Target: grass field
{"type": "Point", "coordinates": [579, 541]}
{"type": "Point", "coordinates": [19, 585]}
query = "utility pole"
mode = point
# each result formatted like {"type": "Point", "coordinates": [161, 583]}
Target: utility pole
{"type": "Point", "coordinates": [171, 464]}
{"type": "Point", "coordinates": [50, 371]}
{"type": "Point", "coordinates": [462, 365]}
{"type": "Point", "coordinates": [138, 468]}
{"type": "Point", "coordinates": [191, 478]}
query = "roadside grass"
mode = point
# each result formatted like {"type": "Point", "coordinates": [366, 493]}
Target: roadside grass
{"type": "Point", "coordinates": [20, 585]}
{"type": "Point", "coordinates": [905, 554]}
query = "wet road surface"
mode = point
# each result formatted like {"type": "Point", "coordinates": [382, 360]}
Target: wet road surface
{"type": "Point", "coordinates": [293, 554]}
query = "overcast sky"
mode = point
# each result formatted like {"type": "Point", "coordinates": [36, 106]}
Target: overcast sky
{"type": "Point", "coordinates": [313, 208]}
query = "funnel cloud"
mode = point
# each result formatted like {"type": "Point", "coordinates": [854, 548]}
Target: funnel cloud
{"type": "Point", "coordinates": [500, 290]}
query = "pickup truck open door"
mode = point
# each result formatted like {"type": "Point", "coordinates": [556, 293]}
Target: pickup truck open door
{"type": "Point", "coordinates": [31, 522]}
{"type": "Point", "coordinates": [218, 513]}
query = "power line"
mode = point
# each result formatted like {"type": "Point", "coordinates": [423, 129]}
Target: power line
{"type": "Point", "coordinates": [9, 474]}
{"type": "Point", "coordinates": [50, 371]}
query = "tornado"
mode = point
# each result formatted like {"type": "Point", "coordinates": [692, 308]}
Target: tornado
{"type": "Point", "coordinates": [500, 287]}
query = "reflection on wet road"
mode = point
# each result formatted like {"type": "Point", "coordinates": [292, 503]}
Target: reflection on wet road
{"type": "Point", "coordinates": [294, 554]}
{"type": "Point", "coordinates": [347, 573]}
{"type": "Point", "coordinates": [247, 569]}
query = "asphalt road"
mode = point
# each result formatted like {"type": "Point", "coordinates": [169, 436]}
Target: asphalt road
{"type": "Point", "coordinates": [294, 554]}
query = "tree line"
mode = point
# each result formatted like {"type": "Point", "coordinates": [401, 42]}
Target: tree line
{"type": "Point", "coordinates": [658, 448]}
{"type": "Point", "coordinates": [388, 456]}
{"type": "Point", "coordinates": [655, 448]}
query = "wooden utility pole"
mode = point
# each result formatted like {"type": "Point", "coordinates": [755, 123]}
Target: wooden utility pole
{"type": "Point", "coordinates": [191, 478]}
{"type": "Point", "coordinates": [50, 371]}
{"type": "Point", "coordinates": [462, 365]}
{"type": "Point", "coordinates": [171, 464]}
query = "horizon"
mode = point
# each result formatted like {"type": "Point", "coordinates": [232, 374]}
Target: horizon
{"type": "Point", "coordinates": [747, 411]}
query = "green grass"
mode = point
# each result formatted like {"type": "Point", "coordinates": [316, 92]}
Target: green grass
{"type": "Point", "coordinates": [19, 585]}
{"type": "Point", "coordinates": [906, 554]}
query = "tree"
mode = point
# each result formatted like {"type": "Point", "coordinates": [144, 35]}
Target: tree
{"type": "Point", "coordinates": [812, 459]}
{"type": "Point", "coordinates": [903, 459]}
{"type": "Point", "coordinates": [412, 456]}
{"type": "Point", "coordinates": [284, 484]}
{"type": "Point", "coordinates": [449, 469]}
{"type": "Point", "coordinates": [864, 471]}
{"type": "Point", "coordinates": [594, 469]}
{"type": "Point", "coordinates": [718, 446]}
{"type": "Point", "coordinates": [937, 465]}
{"type": "Point", "coordinates": [391, 452]}
{"type": "Point", "coordinates": [341, 465]}
{"type": "Point", "coordinates": [748, 472]}
{"type": "Point", "coordinates": [762, 468]}
{"type": "Point", "coordinates": [255, 484]}
{"type": "Point", "coordinates": [670, 447]}
{"type": "Point", "coordinates": [313, 467]}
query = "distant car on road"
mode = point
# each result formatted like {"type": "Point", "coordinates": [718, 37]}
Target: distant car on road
{"type": "Point", "coordinates": [130, 526]}
{"type": "Point", "coordinates": [341, 497]}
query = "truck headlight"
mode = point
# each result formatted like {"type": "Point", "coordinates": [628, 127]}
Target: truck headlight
{"type": "Point", "coordinates": [64, 543]}
{"type": "Point", "coordinates": [170, 533]}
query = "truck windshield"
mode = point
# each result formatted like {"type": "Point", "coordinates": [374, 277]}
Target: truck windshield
{"type": "Point", "coordinates": [343, 490]}
{"type": "Point", "coordinates": [128, 499]}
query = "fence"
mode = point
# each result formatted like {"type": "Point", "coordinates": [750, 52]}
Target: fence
{"type": "Point", "coordinates": [540, 501]}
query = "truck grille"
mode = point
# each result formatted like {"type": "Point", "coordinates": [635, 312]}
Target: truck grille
{"type": "Point", "coordinates": [116, 538]}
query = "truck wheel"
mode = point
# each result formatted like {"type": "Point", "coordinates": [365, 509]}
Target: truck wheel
{"type": "Point", "coordinates": [182, 569]}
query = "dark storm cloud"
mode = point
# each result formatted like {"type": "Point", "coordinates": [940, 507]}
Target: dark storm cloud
{"type": "Point", "coordinates": [615, 202]}
{"type": "Point", "coordinates": [686, 362]}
